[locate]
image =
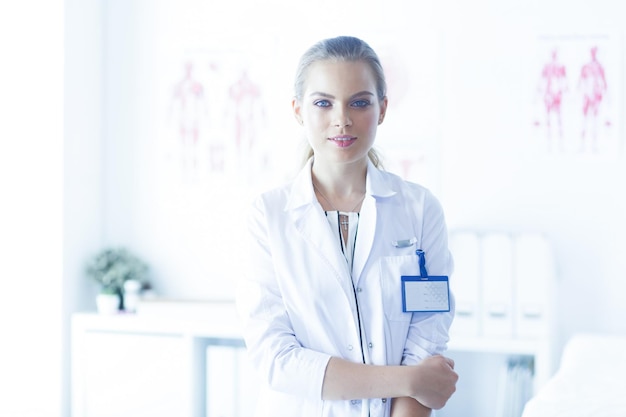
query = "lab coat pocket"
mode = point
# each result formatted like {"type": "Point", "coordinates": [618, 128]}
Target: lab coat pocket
{"type": "Point", "coordinates": [391, 270]}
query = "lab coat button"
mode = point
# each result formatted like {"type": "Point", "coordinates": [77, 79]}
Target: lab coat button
{"type": "Point", "coordinates": [359, 289]}
{"type": "Point", "coordinates": [370, 345]}
{"type": "Point", "coordinates": [349, 347]}
{"type": "Point", "coordinates": [384, 400]}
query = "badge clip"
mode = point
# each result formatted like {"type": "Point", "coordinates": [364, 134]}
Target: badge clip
{"type": "Point", "coordinates": [404, 243]}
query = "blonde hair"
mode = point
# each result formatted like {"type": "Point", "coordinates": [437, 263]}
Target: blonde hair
{"type": "Point", "coordinates": [341, 48]}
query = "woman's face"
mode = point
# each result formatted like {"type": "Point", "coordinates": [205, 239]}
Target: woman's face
{"type": "Point", "coordinates": [339, 110]}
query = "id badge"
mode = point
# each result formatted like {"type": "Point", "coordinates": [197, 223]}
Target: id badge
{"type": "Point", "coordinates": [425, 294]}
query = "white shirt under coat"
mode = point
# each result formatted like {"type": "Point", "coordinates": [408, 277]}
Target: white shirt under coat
{"type": "Point", "coordinates": [297, 302]}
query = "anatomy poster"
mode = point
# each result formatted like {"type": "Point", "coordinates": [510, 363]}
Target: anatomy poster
{"type": "Point", "coordinates": [215, 118]}
{"type": "Point", "coordinates": [576, 101]}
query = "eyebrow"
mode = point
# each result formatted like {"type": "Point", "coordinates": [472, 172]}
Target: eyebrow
{"type": "Point", "coordinates": [361, 93]}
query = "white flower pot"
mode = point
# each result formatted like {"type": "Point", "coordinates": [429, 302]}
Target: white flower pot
{"type": "Point", "coordinates": [131, 295]}
{"type": "Point", "coordinates": [108, 303]}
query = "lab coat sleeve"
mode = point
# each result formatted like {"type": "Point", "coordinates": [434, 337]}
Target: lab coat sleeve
{"type": "Point", "coordinates": [428, 332]}
{"type": "Point", "coordinates": [272, 346]}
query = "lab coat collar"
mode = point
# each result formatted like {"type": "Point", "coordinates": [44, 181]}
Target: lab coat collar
{"type": "Point", "coordinates": [302, 192]}
{"type": "Point", "coordinates": [314, 226]}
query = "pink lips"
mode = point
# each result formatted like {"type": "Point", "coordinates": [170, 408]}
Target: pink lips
{"type": "Point", "coordinates": [343, 141]}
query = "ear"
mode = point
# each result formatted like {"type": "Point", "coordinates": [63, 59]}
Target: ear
{"type": "Point", "coordinates": [383, 110]}
{"type": "Point", "coordinates": [297, 109]}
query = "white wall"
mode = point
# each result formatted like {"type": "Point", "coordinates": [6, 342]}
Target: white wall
{"type": "Point", "coordinates": [84, 164]}
{"type": "Point", "coordinates": [31, 185]}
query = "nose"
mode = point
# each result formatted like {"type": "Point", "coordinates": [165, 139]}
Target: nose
{"type": "Point", "coordinates": [342, 118]}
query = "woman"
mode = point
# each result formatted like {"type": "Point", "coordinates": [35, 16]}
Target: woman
{"type": "Point", "coordinates": [322, 301]}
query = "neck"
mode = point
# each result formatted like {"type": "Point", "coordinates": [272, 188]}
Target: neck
{"type": "Point", "coordinates": [340, 181]}
{"type": "Point", "coordinates": [339, 189]}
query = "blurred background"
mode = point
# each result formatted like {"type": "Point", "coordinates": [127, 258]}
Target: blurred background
{"type": "Point", "coordinates": [151, 125]}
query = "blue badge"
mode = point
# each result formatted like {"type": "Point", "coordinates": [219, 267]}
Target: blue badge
{"type": "Point", "coordinates": [423, 293]}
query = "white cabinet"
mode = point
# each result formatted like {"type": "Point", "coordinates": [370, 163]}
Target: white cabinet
{"type": "Point", "coordinates": [134, 366]}
{"type": "Point", "coordinates": [134, 375]}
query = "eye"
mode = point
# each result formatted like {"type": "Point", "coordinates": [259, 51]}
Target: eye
{"type": "Point", "coordinates": [322, 103]}
{"type": "Point", "coordinates": [361, 103]}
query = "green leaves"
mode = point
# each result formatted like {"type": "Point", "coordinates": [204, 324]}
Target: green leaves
{"type": "Point", "coordinates": [113, 266]}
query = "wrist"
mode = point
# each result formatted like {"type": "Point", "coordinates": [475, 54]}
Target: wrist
{"type": "Point", "coordinates": [411, 379]}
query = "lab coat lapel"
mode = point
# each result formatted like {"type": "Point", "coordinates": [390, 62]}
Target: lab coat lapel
{"type": "Point", "coordinates": [376, 187]}
{"type": "Point", "coordinates": [314, 228]}
{"type": "Point", "coordinates": [310, 221]}
{"type": "Point", "coordinates": [365, 236]}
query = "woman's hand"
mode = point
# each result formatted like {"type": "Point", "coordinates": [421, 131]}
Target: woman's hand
{"type": "Point", "coordinates": [433, 381]}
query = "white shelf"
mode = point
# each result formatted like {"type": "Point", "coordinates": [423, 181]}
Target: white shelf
{"type": "Point", "coordinates": [218, 320]}
{"type": "Point", "coordinates": [499, 345]}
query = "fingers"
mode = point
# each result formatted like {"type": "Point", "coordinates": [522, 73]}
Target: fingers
{"type": "Point", "coordinates": [450, 362]}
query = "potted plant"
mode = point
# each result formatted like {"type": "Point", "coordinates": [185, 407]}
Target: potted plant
{"type": "Point", "coordinates": [111, 268]}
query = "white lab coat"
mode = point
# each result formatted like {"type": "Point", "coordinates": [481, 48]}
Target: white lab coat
{"type": "Point", "coordinates": [297, 301]}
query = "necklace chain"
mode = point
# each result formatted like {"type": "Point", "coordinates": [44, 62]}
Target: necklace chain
{"type": "Point", "coordinates": [331, 204]}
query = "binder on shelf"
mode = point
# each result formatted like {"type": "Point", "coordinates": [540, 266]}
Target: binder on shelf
{"type": "Point", "coordinates": [497, 289]}
{"type": "Point", "coordinates": [534, 277]}
{"type": "Point", "coordinates": [465, 283]}
{"type": "Point", "coordinates": [514, 387]}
